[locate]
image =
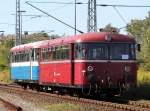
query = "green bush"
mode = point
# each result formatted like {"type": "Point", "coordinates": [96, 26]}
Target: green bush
{"type": "Point", "coordinates": [146, 66]}
{"type": "Point", "coordinates": [5, 76]}
{"type": "Point", "coordinates": [143, 77]}
{"type": "Point", "coordinates": [142, 91]}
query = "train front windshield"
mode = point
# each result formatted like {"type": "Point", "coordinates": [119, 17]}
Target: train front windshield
{"type": "Point", "coordinates": [107, 51]}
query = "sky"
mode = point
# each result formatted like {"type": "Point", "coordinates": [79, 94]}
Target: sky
{"type": "Point", "coordinates": [105, 15]}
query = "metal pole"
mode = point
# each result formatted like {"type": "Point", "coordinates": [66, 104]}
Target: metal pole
{"type": "Point", "coordinates": [21, 26]}
{"type": "Point", "coordinates": [16, 24]}
{"type": "Point", "coordinates": [75, 17]}
{"type": "Point", "coordinates": [17, 40]}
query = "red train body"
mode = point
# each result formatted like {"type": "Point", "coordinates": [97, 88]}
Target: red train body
{"type": "Point", "coordinates": [89, 63]}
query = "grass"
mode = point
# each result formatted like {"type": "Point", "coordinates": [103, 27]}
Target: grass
{"type": "Point", "coordinates": [5, 76]}
{"type": "Point", "coordinates": [63, 107]}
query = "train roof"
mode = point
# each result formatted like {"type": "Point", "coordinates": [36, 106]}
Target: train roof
{"type": "Point", "coordinates": [87, 37]}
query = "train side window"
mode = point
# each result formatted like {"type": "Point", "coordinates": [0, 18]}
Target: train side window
{"type": "Point", "coordinates": [78, 53]}
{"type": "Point", "coordinates": [22, 56]}
{"type": "Point", "coordinates": [12, 57]}
{"type": "Point", "coordinates": [44, 54]}
{"type": "Point", "coordinates": [17, 57]}
{"type": "Point", "coordinates": [36, 54]}
{"type": "Point", "coordinates": [65, 52]}
{"type": "Point", "coordinates": [58, 53]}
{"type": "Point", "coordinates": [49, 53]}
{"type": "Point", "coordinates": [84, 53]}
{"type": "Point", "coordinates": [32, 54]}
{"type": "Point", "coordinates": [132, 48]}
{"type": "Point", "coordinates": [54, 53]}
{"type": "Point", "coordinates": [26, 55]}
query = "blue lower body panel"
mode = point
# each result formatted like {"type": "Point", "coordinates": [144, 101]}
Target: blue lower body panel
{"type": "Point", "coordinates": [24, 73]}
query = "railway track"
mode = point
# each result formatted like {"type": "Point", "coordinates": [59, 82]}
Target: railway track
{"type": "Point", "coordinates": [129, 106]}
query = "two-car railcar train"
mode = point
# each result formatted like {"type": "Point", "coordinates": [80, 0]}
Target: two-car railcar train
{"type": "Point", "coordinates": [90, 63]}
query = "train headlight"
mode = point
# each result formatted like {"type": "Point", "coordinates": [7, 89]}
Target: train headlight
{"type": "Point", "coordinates": [90, 68]}
{"type": "Point", "coordinates": [127, 68]}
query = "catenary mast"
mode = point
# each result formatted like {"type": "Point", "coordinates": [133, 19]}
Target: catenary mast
{"type": "Point", "coordinates": [92, 21]}
{"type": "Point", "coordinates": [18, 24]}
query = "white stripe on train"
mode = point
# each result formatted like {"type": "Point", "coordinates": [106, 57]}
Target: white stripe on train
{"type": "Point", "coordinates": [21, 64]}
{"type": "Point", "coordinates": [35, 63]}
{"type": "Point", "coordinates": [88, 61]}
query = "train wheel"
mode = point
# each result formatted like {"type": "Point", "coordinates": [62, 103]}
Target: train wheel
{"type": "Point", "coordinates": [39, 88]}
{"type": "Point", "coordinates": [24, 86]}
{"type": "Point", "coordinates": [31, 87]}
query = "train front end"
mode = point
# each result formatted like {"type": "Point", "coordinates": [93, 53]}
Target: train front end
{"type": "Point", "coordinates": [107, 65]}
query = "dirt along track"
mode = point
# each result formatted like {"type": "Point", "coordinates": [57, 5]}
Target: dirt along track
{"type": "Point", "coordinates": [42, 100]}
{"type": "Point", "coordinates": [7, 106]}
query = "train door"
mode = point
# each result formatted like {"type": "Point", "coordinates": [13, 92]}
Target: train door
{"type": "Point", "coordinates": [34, 67]}
{"type": "Point", "coordinates": [31, 63]}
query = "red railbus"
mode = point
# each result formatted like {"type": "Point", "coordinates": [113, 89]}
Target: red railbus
{"type": "Point", "coordinates": [92, 62]}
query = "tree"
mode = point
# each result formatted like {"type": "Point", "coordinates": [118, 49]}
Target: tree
{"type": "Point", "coordinates": [140, 29]}
{"type": "Point", "coordinates": [35, 37]}
{"type": "Point", "coordinates": [146, 49]}
{"type": "Point", "coordinates": [110, 28]}
{"type": "Point", "coordinates": [136, 29]}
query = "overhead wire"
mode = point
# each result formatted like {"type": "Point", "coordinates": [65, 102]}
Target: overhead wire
{"type": "Point", "coordinates": [59, 2]}
{"type": "Point", "coordinates": [51, 2]}
{"type": "Point", "coordinates": [103, 5]}
{"type": "Point", "coordinates": [39, 16]}
{"type": "Point", "coordinates": [120, 15]}
{"type": "Point", "coordinates": [32, 16]}
{"type": "Point", "coordinates": [6, 24]}
{"type": "Point", "coordinates": [136, 6]}
{"type": "Point", "coordinates": [58, 8]}
{"type": "Point", "coordinates": [53, 17]}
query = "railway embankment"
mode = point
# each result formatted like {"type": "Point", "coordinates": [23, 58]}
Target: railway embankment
{"type": "Point", "coordinates": [7, 106]}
